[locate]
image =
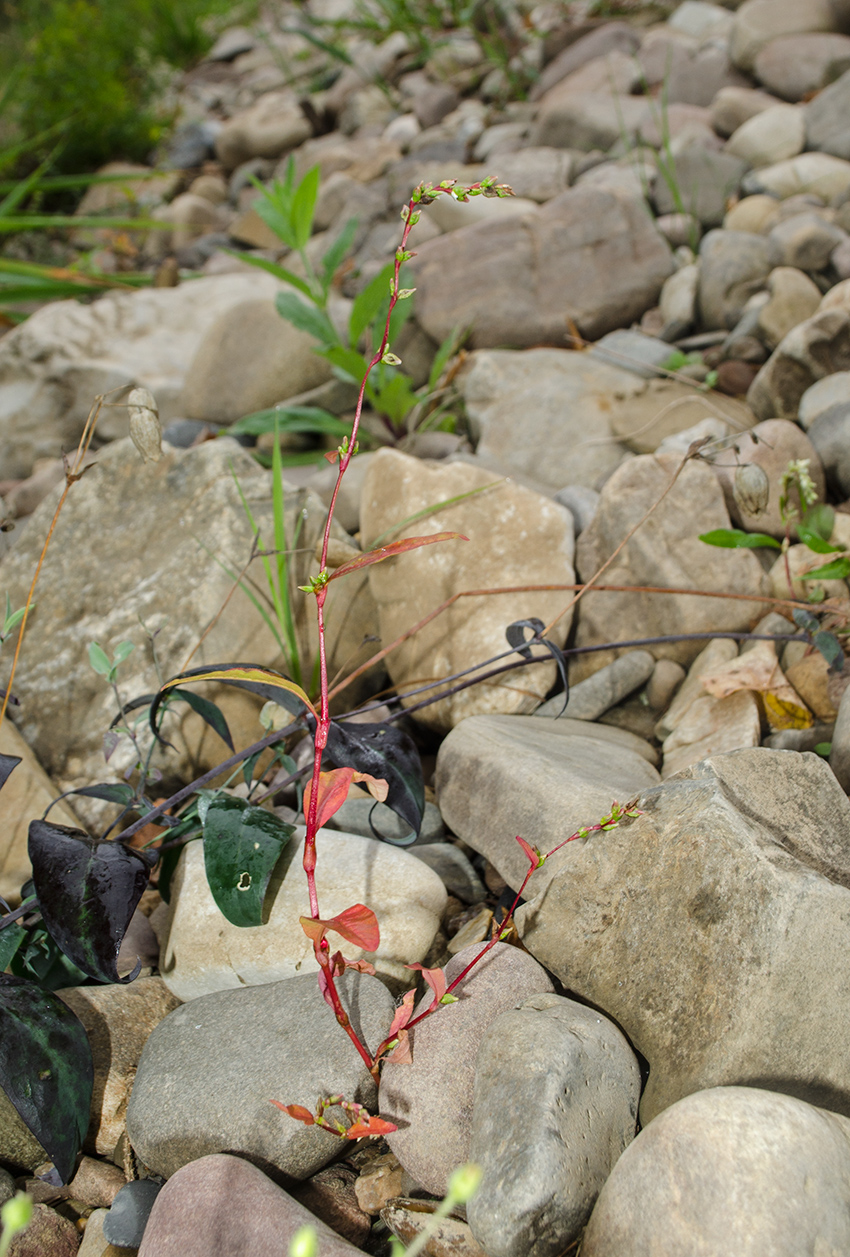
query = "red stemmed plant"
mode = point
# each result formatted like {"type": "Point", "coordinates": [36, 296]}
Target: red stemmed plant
{"type": "Point", "coordinates": [327, 791]}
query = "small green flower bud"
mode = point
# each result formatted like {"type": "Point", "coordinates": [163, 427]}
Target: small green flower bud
{"type": "Point", "coordinates": [145, 429]}
{"type": "Point", "coordinates": [305, 1243]}
{"type": "Point", "coordinates": [464, 1182]}
{"type": "Point", "coordinates": [16, 1213]}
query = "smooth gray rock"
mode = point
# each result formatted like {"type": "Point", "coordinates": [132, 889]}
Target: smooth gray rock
{"type": "Point", "coordinates": [431, 1099]}
{"type": "Point", "coordinates": [795, 66]}
{"type": "Point", "coordinates": [800, 739]}
{"type": "Point", "coordinates": [832, 390]}
{"type": "Point", "coordinates": [555, 1106]}
{"type": "Point", "coordinates": [210, 1069]}
{"type": "Point", "coordinates": [725, 960]}
{"type": "Point", "coordinates": [729, 1170]}
{"type": "Point", "coordinates": [590, 699]}
{"type": "Point", "coordinates": [453, 869]}
{"type": "Point", "coordinates": [499, 776]}
{"type": "Point", "coordinates": [124, 1224]}
{"type": "Point", "coordinates": [830, 435]}
{"type": "Point", "coordinates": [826, 119]}
{"type": "Point", "coordinates": [705, 181]}
{"type": "Point", "coordinates": [222, 1206]}
{"type": "Point", "coordinates": [371, 819]}
{"type": "Point", "coordinates": [632, 350]}
{"type": "Point", "coordinates": [547, 412]}
{"type": "Point", "coordinates": [589, 255]}
{"type": "Point", "coordinates": [804, 241]}
{"type": "Point", "coordinates": [733, 266]}
{"type": "Point", "coordinates": [581, 502]}
{"type": "Point", "coordinates": [665, 553]}
{"type": "Point", "coordinates": [817, 347]}
{"type": "Point", "coordinates": [612, 37]}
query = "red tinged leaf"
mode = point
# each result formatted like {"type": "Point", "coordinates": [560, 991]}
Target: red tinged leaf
{"type": "Point", "coordinates": [435, 978]}
{"type": "Point", "coordinates": [395, 547]}
{"type": "Point", "coordinates": [333, 791]}
{"type": "Point", "coordinates": [402, 1014]}
{"type": "Point", "coordinates": [297, 1111]}
{"type": "Point", "coordinates": [358, 925]}
{"type": "Point", "coordinates": [401, 1054]}
{"type": "Point", "coordinates": [374, 1126]}
{"type": "Point", "coordinates": [535, 859]}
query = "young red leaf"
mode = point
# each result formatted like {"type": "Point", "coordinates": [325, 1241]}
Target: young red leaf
{"type": "Point", "coordinates": [297, 1111]}
{"type": "Point", "coordinates": [333, 791]}
{"type": "Point", "coordinates": [358, 925]}
{"type": "Point", "coordinates": [373, 1126]}
{"type": "Point", "coordinates": [395, 547]}
{"type": "Point", "coordinates": [331, 455]}
{"type": "Point", "coordinates": [401, 1054]}
{"type": "Point", "coordinates": [402, 1014]}
{"type": "Point", "coordinates": [535, 859]}
{"type": "Point", "coordinates": [435, 978]}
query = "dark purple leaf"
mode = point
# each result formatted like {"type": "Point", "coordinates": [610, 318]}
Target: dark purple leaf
{"type": "Point", "coordinates": [8, 763]}
{"type": "Point", "coordinates": [382, 750]}
{"type": "Point", "coordinates": [46, 1068]}
{"type": "Point", "coordinates": [87, 891]}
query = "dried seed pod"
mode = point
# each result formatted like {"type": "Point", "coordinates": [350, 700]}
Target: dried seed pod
{"type": "Point", "coordinates": [751, 489]}
{"type": "Point", "coordinates": [145, 428]}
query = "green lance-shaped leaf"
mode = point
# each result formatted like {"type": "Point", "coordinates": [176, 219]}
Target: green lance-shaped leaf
{"type": "Point", "coordinates": [736, 538]}
{"type": "Point", "coordinates": [87, 892]}
{"type": "Point", "coordinates": [46, 1068]}
{"type": "Point", "coordinates": [242, 844]}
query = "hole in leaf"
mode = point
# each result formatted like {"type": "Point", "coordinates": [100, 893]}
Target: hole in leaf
{"type": "Point", "coordinates": [244, 882]}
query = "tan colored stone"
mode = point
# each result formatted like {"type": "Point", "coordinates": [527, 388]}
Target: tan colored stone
{"type": "Point", "coordinates": [757, 22]}
{"type": "Point", "coordinates": [270, 127]}
{"type": "Point", "coordinates": [250, 359]}
{"type": "Point", "coordinates": [118, 1020]}
{"type": "Point", "coordinates": [665, 552]}
{"type": "Point", "coordinates": [770, 445]}
{"type": "Point", "coordinates": [380, 1181]}
{"type": "Point", "coordinates": [27, 794]}
{"type": "Point", "coordinates": [718, 651]}
{"type": "Point", "coordinates": [794, 297]}
{"type": "Point", "coordinates": [249, 228]}
{"type": "Point", "coordinates": [711, 726]}
{"type": "Point", "coordinates": [516, 537]}
{"type": "Point", "coordinates": [663, 409]}
{"type": "Point", "coordinates": [810, 678]}
{"type": "Point", "coordinates": [750, 214]}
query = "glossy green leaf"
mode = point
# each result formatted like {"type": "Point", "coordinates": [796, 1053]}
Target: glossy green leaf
{"type": "Point", "coordinates": [838, 569]}
{"type": "Point", "coordinates": [10, 940]}
{"type": "Point", "coordinates": [40, 959]}
{"type": "Point", "coordinates": [735, 538]}
{"type": "Point", "coordinates": [307, 318]}
{"type": "Point", "coordinates": [109, 792]}
{"type": "Point", "coordinates": [815, 542]}
{"type": "Point", "coordinates": [87, 891]}
{"type": "Point", "coordinates": [46, 1069]}
{"type": "Point", "coordinates": [242, 844]}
